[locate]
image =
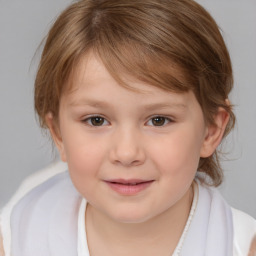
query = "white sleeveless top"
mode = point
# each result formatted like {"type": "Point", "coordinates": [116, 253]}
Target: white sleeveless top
{"type": "Point", "coordinates": [47, 217]}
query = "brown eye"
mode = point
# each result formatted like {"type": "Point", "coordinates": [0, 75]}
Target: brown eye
{"type": "Point", "coordinates": [159, 121]}
{"type": "Point", "coordinates": [96, 121]}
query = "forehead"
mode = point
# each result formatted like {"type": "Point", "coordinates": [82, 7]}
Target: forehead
{"type": "Point", "coordinates": [91, 68]}
{"type": "Point", "coordinates": [93, 85]}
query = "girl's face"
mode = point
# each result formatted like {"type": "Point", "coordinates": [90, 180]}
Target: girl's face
{"type": "Point", "coordinates": [132, 155]}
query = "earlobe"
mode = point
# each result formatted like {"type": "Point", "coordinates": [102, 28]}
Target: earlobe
{"type": "Point", "coordinates": [214, 133]}
{"type": "Point", "coordinates": [56, 135]}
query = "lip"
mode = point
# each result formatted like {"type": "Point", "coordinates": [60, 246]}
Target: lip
{"type": "Point", "coordinates": [128, 187]}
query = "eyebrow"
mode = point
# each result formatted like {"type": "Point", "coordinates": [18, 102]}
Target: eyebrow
{"type": "Point", "coordinates": [88, 102]}
{"type": "Point", "coordinates": [105, 105]}
{"type": "Point", "coordinates": [153, 106]}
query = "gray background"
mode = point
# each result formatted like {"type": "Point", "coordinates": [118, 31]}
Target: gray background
{"type": "Point", "coordinates": [23, 148]}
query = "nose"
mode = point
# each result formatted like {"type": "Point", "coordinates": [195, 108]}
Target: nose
{"type": "Point", "coordinates": [127, 148]}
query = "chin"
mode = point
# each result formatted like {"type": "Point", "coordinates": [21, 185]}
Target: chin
{"type": "Point", "coordinates": [131, 217]}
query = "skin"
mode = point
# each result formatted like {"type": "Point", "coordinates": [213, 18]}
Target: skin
{"type": "Point", "coordinates": [129, 143]}
{"type": "Point", "coordinates": [1, 245]}
{"type": "Point", "coordinates": [252, 251]}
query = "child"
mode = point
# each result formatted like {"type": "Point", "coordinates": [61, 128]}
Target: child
{"type": "Point", "coordinates": [135, 95]}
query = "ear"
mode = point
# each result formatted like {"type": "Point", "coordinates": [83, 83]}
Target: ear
{"type": "Point", "coordinates": [56, 135]}
{"type": "Point", "coordinates": [214, 133]}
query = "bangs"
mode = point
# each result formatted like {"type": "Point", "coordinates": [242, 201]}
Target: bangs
{"type": "Point", "coordinates": [138, 48]}
{"type": "Point", "coordinates": [125, 58]}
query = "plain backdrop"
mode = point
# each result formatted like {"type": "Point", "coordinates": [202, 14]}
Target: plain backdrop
{"type": "Point", "coordinates": [23, 147]}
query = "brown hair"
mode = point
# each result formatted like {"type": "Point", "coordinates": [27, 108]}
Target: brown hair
{"type": "Point", "coordinates": [150, 40]}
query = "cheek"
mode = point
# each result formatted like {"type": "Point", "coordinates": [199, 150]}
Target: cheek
{"type": "Point", "coordinates": [178, 154]}
{"type": "Point", "coordinates": [84, 163]}
{"type": "Point", "coordinates": [84, 157]}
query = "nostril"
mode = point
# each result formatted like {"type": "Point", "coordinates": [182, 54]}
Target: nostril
{"type": "Point", "coordinates": [127, 151]}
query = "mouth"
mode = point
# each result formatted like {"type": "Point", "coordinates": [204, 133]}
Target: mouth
{"type": "Point", "coordinates": [128, 187]}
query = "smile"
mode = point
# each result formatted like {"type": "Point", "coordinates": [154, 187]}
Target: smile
{"type": "Point", "coordinates": [128, 187]}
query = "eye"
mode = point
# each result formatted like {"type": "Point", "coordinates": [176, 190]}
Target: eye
{"type": "Point", "coordinates": [96, 121]}
{"type": "Point", "coordinates": [159, 121]}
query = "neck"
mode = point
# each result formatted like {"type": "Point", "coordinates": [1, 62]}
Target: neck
{"type": "Point", "coordinates": [160, 234]}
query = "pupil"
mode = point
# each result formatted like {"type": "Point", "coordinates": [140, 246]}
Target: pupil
{"type": "Point", "coordinates": [97, 121]}
{"type": "Point", "coordinates": [158, 121]}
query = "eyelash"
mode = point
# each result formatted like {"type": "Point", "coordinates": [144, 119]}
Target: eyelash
{"type": "Point", "coordinates": [166, 120]}
{"type": "Point", "coordinates": [89, 121]}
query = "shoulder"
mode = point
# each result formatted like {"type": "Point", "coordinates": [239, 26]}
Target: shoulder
{"type": "Point", "coordinates": [40, 180]}
{"type": "Point", "coordinates": [1, 245]}
{"type": "Point", "coordinates": [35, 180]}
{"type": "Point", "coordinates": [244, 233]}
{"type": "Point", "coordinates": [35, 187]}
